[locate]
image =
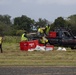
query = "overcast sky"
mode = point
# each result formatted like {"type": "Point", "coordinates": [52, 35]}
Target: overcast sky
{"type": "Point", "coordinates": [35, 9]}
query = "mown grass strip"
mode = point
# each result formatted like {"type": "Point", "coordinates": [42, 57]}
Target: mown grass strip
{"type": "Point", "coordinates": [12, 56]}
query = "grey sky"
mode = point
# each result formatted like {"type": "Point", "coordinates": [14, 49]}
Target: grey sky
{"type": "Point", "coordinates": [35, 9]}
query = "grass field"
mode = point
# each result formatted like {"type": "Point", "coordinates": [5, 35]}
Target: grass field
{"type": "Point", "coordinates": [13, 56]}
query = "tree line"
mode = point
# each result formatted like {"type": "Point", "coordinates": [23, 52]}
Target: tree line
{"type": "Point", "coordinates": [18, 25]}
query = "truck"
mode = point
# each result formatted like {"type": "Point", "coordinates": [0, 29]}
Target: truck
{"type": "Point", "coordinates": [62, 37]}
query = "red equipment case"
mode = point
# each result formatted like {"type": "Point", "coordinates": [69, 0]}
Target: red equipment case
{"type": "Point", "coordinates": [52, 34]}
{"type": "Point", "coordinates": [25, 45]}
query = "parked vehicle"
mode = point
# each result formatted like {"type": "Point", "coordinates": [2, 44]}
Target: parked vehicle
{"type": "Point", "coordinates": [62, 37]}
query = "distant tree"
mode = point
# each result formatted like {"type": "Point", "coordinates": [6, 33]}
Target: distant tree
{"type": "Point", "coordinates": [23, 23]}
{"type": "Point", "coordinates": [72, 23]}
{"type": "Point", "coordinates": [41, 22]}
{"type": "Point", "coordinates": [5, 19]}
{"type": "Point", "coordinates": [72, 19]}
{"type": "Point", "coordinates": [5, 24]}
{"type": "Point", "coordinates": [5, 29]}
{"type": "Point", "coordinates": [59, 22]}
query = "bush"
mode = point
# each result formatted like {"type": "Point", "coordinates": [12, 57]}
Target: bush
{"type": "Point", "coordinates": [19, 32]}
{"type": "Point", "coordinates": [11, 39]}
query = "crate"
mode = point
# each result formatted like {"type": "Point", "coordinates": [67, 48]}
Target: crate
{"type": "Point", "coordinates": [26, 45]}
{"type": "Point", "coordinates": [52, 34]}
{"type": "Point", "coordinates": [23, 46]}
{"type": "Point", "coordinates": [36, 42]}
{"type": "Point", "coordinates": [31, 44]}
{"type": "Point", "coordinates": [41, 45]}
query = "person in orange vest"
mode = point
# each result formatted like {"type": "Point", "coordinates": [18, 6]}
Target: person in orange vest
{"type": "Point", "coordinates": [1, 40]}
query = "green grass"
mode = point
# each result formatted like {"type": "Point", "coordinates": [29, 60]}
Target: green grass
{"type": "Point", "coordinates": [11, 39]}
{"type": "Point", "coordinates": [13, 56]}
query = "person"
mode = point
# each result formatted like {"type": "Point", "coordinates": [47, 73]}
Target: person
{"type": "Point", "coordinates": [43, 40]}
{"type": "Point", "coordinates": [47, 29]}
{"type": "Point", "coordinates": [24, 36]}
{"type": "Point", "coordinates": [40, 31]}
{"type": "Point", "coordinates": [1, 40]}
